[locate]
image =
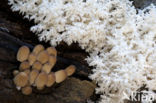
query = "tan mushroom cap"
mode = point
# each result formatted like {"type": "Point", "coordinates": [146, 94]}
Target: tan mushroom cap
{"type": "Point", "coordinates": [37, 65]}
{"type": "Point", "coordinates": [70, 70]}
{"type": "Point", "coordinates": [52, 60]}
{"type": "Point", "coordinates": [33, 75]}
{"type": "Point", "coordinates": [23, 53]}
{"type": "Point", "coordinates": [47, 68]}
{"type": "Point", "coordinates": [52, 51]}
{"type": "Point", "coordinates": [43, 57]}
{"type": "Point", "coordinates": [15, 72]}
{"type": "Point", "coordinates": [24, 65]}
{"type": "Point", "coordinates": [60, 76]}
{"type": "Point", "coordinates": [41, 80]}
{"type": "Point", "coordinates": [51, 79]}
{"type": "Point", "coordinates": [27, 71]}
{"type": "Point", "coordinates": [21, 79]}
{"type": "Point", "coordinates": [32, 58]}
{"type": "Point", "coordinates": [38, 48]}
{"type": "Point", "coordinates": [27, 90]}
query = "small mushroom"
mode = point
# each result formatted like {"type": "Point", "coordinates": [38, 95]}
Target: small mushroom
{"type": "Point", "coordinates": [23, 53]}
{"type": "Point", "coordinates": [37, 49]}
{"type": "Point", "coordinates": [51, 79]}
{"type": "Point", "coordinates": [15, 72]}
{"type": "Point", "coordinates": [60, 76]}
{"type": "Point", "coordinates": [52, 60]}
{"type": "Point", "coordinates": [37, 65]}
{"type": "Point", "coordinates": [21, 79]}
{"type": "Point", "coordinates": [52, 51]}
{"type": "Point", "coordinates": [27, 90]}
{"type": "Point", "coordinates": [24, 65]}
{"type": "Point", "coordinates": [27, 71]}
{"type": "Point", "coordinates": [70, 70]}
{"type": "Point", "coordinates": [42, 61]}
{"type": "Point", "coordinates": [32, 58]}
{"type": "Point", "coordinates": [47, 68]}
{"type": "Point", "coordinates": [43, 57]}
{"type": "Point", "coordinates": [41, 80]}
{"type": "Point", "coordinates": [33, 75]}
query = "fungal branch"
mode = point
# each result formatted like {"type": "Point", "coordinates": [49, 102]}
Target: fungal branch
{"type": "Point", "coordinates": [35, 69]}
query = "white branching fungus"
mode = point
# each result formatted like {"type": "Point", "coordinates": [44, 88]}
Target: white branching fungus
{"type": "Point", "coordinates": [121, 41]}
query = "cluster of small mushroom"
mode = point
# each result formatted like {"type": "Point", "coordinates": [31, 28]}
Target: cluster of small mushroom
{"type": "Point", "coordinates": [35, 69]}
